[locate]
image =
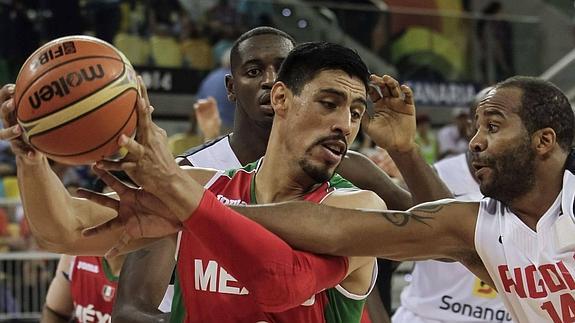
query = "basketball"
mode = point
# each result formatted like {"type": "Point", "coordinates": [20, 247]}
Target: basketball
{"type": "Point", "coordinates": [74, 97]}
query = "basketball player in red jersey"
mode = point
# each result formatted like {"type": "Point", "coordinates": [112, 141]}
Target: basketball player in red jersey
{"type": "Point", "coordinates": [326, 85]}
{"type": "Point", "coordinates": [83, 289]}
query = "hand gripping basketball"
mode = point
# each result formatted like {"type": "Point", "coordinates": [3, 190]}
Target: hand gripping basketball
{"type": "Point", "coordinates": [11, 130]}
{"type": "Point", "coordinates": [149, 163]}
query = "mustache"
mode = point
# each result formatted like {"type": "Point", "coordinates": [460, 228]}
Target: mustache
{"type": "Point", "coordinates": [334, 137]}
{"type": "Point", "coordinates": [484, 160]}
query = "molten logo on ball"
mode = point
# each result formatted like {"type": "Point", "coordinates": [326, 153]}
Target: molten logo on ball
{"type": "Point", "coordinates": [61, 86]}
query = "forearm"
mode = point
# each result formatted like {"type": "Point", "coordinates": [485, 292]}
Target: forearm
{"type": "Point", "coordinates": [133, 313]}
{"type": "Point", "coordinates": [45, 201]}
{"type": "Point", "coordinates": [277, 276]}
{"type": "Point", "coordinates": [56, 218]}
{"type": "Point", "coordinates": [365, 174]}
{"type": "Point", "coordinates": [396, 235]}
{"type": "Point", "coordinates": [143, 281]}
{"type": "Point", "coordinates": [423, 182]}
{"type": "Point", "coordinates": [303, 225]}
{"type": "Point", "coordinates": [181, 193]}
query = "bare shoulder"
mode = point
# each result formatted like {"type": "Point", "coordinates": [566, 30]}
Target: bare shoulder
{"type": "Point", "coordinates": [355, 199]}
{"type": "Point", "coordinates": [200, 175]}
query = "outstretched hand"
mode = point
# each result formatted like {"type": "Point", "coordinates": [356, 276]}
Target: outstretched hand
{"type": "Point", "coordinates": [140, 214]}
{"type": "Point", "coordinates": [392, 125]}
{"type": "Point", "coordinates": [11, 129]}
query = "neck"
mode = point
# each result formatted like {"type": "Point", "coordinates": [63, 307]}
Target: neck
{"type": "Point", "coordinates": [279, 180]}
{"type": "Point", "coordinates": [530, 207]}
{"type": "Point", "coordinates": [249, 141]}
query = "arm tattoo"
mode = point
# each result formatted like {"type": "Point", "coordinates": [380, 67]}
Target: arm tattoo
{"type": "Point", "coordinates": [401, 219]}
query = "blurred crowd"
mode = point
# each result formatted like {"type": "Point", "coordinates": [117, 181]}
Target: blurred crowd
{"type": "Point", "coordinates": [198, 35]}
{"type": "Point", "coordinates": [163, 33]}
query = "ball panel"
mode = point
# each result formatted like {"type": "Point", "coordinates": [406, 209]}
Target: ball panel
{"type": "Point", "coordinates": [66, 84]}
{"type": "Point", "coordinates": [61, 50]}
{"type": "Point", "coordinates": [106, 150]}
{"type": "Point", "coordinates": [80, 138]}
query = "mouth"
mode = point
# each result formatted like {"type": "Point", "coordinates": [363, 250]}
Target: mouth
{"type": "Point", "coordinates": [480, 169]}
{"type": "Point", "coordinates": [335, 147]}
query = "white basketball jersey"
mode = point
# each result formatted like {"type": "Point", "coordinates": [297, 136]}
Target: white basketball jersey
{"type": "Point", "coordinates": [449, 292]}
{"type": "Point", "coordinates": [534, 272]}
{"type": "Point", "coordinates": [216, 154]}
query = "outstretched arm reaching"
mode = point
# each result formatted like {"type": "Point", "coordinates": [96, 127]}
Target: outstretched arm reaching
{"type": "Point", "coordinates": [56, 218]}
{"type": "Point", "coordinates": [440, 229]}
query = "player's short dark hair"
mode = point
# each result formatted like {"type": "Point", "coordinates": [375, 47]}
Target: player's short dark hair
{"type": "Point", "coordinates": [543, 105]}
{"type": "Point", "coordinates": [258, 31]}
{"type": "Point", "coordinates": [305, 61]}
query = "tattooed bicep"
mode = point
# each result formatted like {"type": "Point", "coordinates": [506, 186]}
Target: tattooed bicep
{"type": "Point", "coordinates": [424, 213]}
{"type": "Point", "coordinates": [401, 218]}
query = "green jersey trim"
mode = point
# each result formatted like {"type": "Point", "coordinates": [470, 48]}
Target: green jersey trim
{"type": "Point", "coordinates": [339, 182]}
{"type": "Point", "coordinates": [342, 309]}
{"type": "Point", "coordinates": [108, 271]}
{"type": "Point", "coordinates": [248, 168]}
{"type": "Point", "coordinates": [178, 311]}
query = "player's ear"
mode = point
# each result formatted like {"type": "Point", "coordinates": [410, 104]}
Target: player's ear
{"type": "Point", "coordinates": [230, 88]}
{"type": "Point", "coordinates": [279, 96]}
{"type": "Point", "coordinates": [544, 140]}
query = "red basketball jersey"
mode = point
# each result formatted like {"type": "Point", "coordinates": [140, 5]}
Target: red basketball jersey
{"type": "Point", "coordinates": [206, 292]}
{"type": "Point", "coordinates": [93, 289]}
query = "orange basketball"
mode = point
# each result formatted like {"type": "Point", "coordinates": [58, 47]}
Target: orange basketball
{"type": "Point", "coordinates": [74, 97]}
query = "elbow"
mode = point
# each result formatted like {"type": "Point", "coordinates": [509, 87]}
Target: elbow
{"type": "Point", "coordinates": [51, 246]}
{"type": "Point", "coordinates": [133, 313]}
{"type": "Point", "coordinates": [56, 245]}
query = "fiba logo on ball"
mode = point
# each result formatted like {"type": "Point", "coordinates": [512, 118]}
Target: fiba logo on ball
{"type": "Point", "coordinates": [53, 53]}
{"type": "Point", "coordinates": [75, 96]}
